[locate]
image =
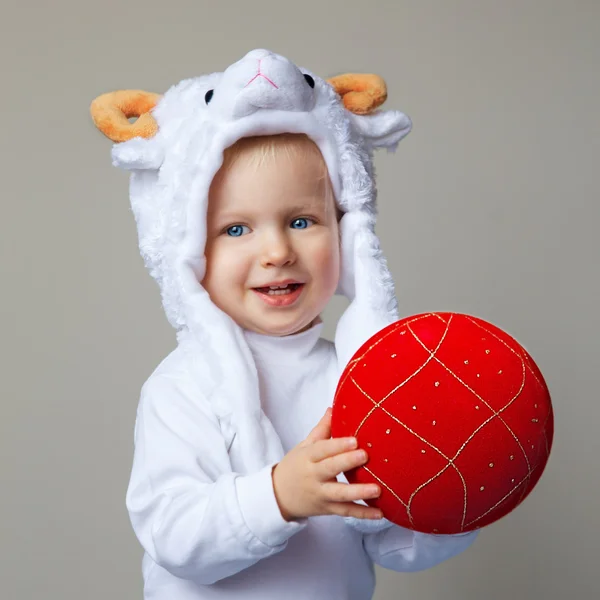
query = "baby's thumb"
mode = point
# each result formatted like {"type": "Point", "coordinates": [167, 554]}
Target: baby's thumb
{"type": "Point", "coordinates": [322, 430]}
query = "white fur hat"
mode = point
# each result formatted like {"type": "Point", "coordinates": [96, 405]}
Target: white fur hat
{"type": "Point", "coordinates": [174, 150]}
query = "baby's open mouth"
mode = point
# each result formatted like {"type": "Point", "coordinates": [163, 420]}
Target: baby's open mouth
{"type": "Point", "coordinates": [280, 290]}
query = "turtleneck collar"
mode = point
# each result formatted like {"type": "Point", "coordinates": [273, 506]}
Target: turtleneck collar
{"type": "Point", "coordinates": [273, 349]}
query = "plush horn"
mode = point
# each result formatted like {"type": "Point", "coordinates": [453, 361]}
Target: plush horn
{"type": "Point", "coordinates": [111, 113]}
{"type": "Point", "coordinates": [361, 93]}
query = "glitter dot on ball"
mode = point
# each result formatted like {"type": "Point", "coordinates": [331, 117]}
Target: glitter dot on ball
{"type": "Point", "coordinates": [414, 408]}
{"type": "Point", "coordinates": [478, 375]}
{"type": "Point", "coordinates": [535, 406]}
{"type": "Point", "coordinates": [500, 372]}
{"type": "Point", "coordinates": [402, 332]}
{"type": "Point", "coordinates": [466, 362]}
{"type": "Point", "coordinates": [491, 464]}
{"type": "Point", "coordinates": [534, 420]}
{"type": "Point", "coordinates": [482, 488]}
{"type": "Point", "coordinates": [512, 457]}
{"type": "Point", "coordinates": [437, 384]}
{"type": "Point", "coordinates": [512, 480]}
{"type": "Point", "coordinates": [477, 408]}
{"type": "Point", "coordinates": [422, 451]}
{"type": "Point", "coordinates": [369, 444]}
{"type": "Point", "coordinates": [394, 355]}
{"type": "Point", "coordinates": [435, 530]}
{"type": "Point", "coordinates": [387, 431]}
{"type": "Point", "coordinates": [487, 351]}
{"type": "Point", "coordinates": [385, 460]}
{"type": "Point", "coordinates": [364, 364]}
{"type": "Point", "coordinates": [434, 422]}
{"type": "Point", "coordinates": [343, 406]}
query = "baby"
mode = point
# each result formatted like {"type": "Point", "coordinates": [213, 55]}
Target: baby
{"type": "Point", "coordinates": [254, 197]}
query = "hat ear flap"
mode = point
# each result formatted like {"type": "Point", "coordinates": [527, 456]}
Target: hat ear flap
{"type": "Point", "coordinates": [383, 129]}
{"type": "Point", "coordinates": [138, 154]}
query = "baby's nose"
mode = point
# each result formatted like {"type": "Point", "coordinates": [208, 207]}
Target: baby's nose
{"type": "Point", "coordinates": [277, 251]}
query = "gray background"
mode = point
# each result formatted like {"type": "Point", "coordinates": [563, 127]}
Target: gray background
{"type": "Point", "coordinates": [489, 207]}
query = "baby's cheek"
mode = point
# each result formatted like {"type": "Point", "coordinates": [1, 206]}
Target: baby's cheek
{"type": "Point", "coordinates": [235, 269]}
{"type": "Point", "coordinates": [328, 258]}
{"type": "Point", "coordinates": [222, 267]}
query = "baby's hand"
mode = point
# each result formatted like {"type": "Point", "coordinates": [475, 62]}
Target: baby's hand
{"type": "Point", "coordinates": [305, 480]}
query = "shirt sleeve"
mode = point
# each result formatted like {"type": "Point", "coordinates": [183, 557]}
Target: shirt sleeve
{"type": "Point", "coordinates": [404, 550]}
{"type": "Point", "coordinates": [400, 549]}
{"type": "Point", "coordinates": [192, 514]}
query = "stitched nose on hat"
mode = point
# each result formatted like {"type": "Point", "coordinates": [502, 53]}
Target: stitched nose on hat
{"type": "Point", "coordinates": [268, 81]}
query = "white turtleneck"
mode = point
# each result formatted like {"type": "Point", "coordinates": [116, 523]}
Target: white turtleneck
{"type": "Point", "coordinates": [297, 378]}
{"type": "Point", "coordinates": [298, 375]}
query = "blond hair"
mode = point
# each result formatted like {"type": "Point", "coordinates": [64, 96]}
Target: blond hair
{"type": "Point", "coordinates": [259, 150]}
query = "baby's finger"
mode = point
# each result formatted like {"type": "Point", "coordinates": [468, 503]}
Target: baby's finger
{"type": "Point", "coordinates": [321, 431]}
{"type": "Point", "coordinates": [340, 463]}
{"type": "Point", "coordinates": [323, 449]}
{"type": "Point", "coordinates": [358, 511]}
{"type": "Point", "coordinates": [345, 492]}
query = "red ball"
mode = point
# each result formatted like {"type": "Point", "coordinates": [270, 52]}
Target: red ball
{"type": "Point", "coordinates": [455, 416]}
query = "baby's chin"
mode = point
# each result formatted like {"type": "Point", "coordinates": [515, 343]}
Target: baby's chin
{"type": "Point", "coordinates": [279, 331]}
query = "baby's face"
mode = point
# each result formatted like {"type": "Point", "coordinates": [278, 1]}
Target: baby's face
{"type": "Point", "coordinates": [267, 225]}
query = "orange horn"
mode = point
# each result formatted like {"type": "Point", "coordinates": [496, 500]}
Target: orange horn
{"type": "Point", "coordinates": [111, 113]}
{"type": "Point", "coordinates": [361, 93]}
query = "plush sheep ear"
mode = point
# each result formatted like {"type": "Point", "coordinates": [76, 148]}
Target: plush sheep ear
{"type": "Point", "coordinates": [383, 129]}
{"type": "Point", "coordinates": [136, 147]}
{"type": "Point", "coordinates": [138, 154]}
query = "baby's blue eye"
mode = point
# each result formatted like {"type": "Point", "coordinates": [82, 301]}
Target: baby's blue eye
{"type": "Point", "coordinates": [302, 222]}
{"type": "Point", "coordinates": [235, 230]}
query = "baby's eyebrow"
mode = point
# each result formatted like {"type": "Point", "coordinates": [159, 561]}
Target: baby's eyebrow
{"type": "Point", "coordinates": [307, 207]}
